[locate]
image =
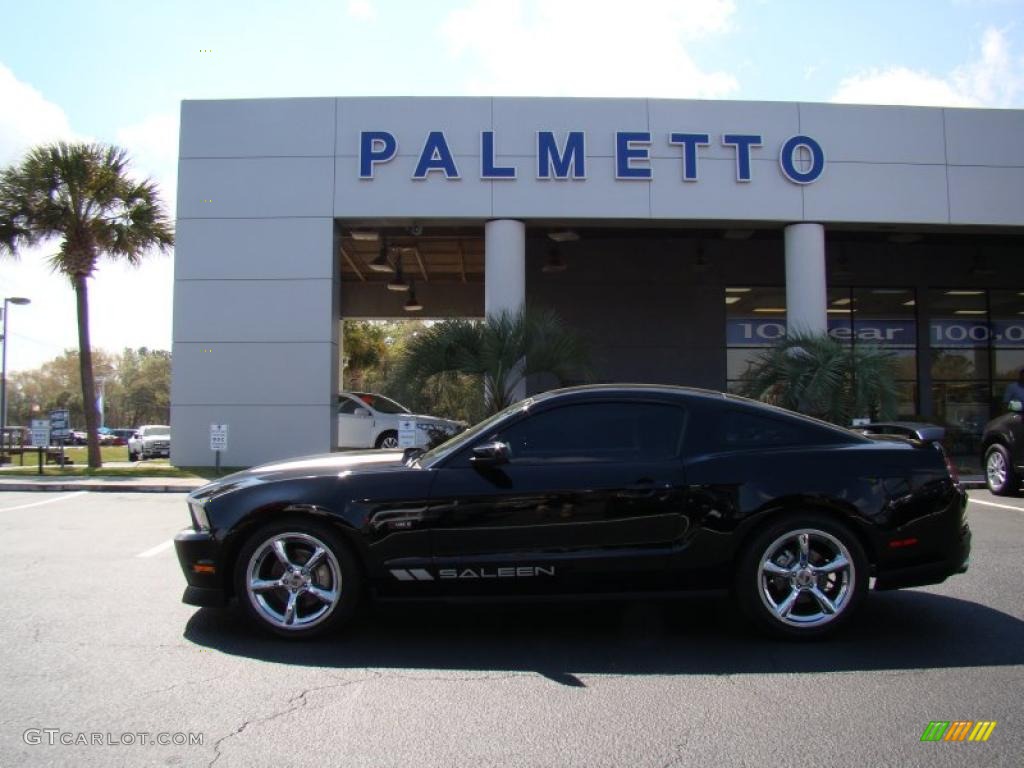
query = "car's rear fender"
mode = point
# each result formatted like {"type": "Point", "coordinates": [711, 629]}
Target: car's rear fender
{"type": "Point", "coordinates": [792, 506]}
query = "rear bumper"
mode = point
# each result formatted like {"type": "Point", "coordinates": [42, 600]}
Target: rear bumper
{"type": "Point", "coordinates": [199, 556]}
{"type": "Point", "coordinates": [929, 573]}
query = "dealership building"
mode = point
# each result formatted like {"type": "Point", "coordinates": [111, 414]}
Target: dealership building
{"type": "Point", "coordinates": [680, 238]}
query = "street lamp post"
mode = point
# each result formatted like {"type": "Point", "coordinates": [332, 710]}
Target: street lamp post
{"type": "Point", "coordinates": [3, 367]}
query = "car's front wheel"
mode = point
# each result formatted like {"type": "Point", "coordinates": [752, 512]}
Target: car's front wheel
{"type": "Point", "coordinates": [802, 578]}
{"type": "Point", "coordinates": [388, 440]}
{"type": "Point", "coordinates": [297, 579]}
{"type": "Point", "coordinates": [1000, 476]}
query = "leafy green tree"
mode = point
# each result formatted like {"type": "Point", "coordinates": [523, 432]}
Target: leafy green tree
{"type": "Point", "coordinates": [819, 376]}
{"type": "Point", "coordinates": [495, 355]}
{"type": "Point", "coordinates": [82, 196]}
{"type": "Point", "coordinates": [365, 348]}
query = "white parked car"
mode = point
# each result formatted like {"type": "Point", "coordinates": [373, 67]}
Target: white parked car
{"type": "Point", "coordinates": [367, 420]}
{"type": "Point", "coordinates": [150, 441]}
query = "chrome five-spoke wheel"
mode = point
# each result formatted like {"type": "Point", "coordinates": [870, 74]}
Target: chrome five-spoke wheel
{"type": "Point", "coordinates": [295, 579]}
{"type": "Point", "coordinates": [802, 578]}
{"type": "Point", "coordinates": [806, 577]}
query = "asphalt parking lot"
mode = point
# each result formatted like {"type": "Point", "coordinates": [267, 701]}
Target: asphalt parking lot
{"type": "Point", "coordinates": [96, 646]}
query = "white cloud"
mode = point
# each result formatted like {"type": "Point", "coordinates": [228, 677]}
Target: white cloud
{"type": "Point", "coordinates": [362, 10]}
{"type": "Point", "coordinates": [128, 306]}
{"type": "Point", "coordinates": [994, 78]}
{"type": "Point", "coordinates": [27, 118]}
{"type": "Point", "coordinates": [587, 48]}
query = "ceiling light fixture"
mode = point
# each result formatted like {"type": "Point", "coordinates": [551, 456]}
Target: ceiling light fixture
{"type": "Point", "coordinates": [554, 262]}
{"type": "Point", "coordinates": [732, 299]}
{"type": "Point", "coordinates": [564, 236]}
{"type": "Point", "coordinates": [411, 304]}
{"type": "Point", "coordinates": [398, 283]}
{"type": "Point", "coordinates": [380, 263]}
{"type": "Point", "coordinates": [771, 310]}
{"type": "Point", "coordinates": [964, 293]}
{"type": "Point", "coordinates": [744, 290]}
{"type": "Point", "coordinates": [364, 235]}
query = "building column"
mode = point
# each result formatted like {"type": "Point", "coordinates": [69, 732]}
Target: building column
{"type": "Point", "coordinates": [505, 271]}
{"type": "Point", "coordinates": [806, 292]}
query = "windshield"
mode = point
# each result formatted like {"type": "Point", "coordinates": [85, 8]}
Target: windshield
{"type": "Point", "coordinates": [158, 431]}
{"type": "Point", "coordinates": [449, 447]}
{"type": "Point", "coordinates": [380, 403]}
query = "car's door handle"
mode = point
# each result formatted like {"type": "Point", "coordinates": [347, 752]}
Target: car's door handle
{"type": "Point", "coordinates": [644, 489]}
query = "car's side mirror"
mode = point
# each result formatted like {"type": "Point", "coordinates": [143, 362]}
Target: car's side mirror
{"type": "Point", "coordinates": [490, 454]}
{"type": "Point", "coordinates": [1016, 406]}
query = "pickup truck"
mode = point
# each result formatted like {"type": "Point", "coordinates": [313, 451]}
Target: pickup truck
{"type": "Point", "coordinates": [150, 441]}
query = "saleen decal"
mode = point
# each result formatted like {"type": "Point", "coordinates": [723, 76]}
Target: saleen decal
{"type": "Point", "coordinates": [508, 572]}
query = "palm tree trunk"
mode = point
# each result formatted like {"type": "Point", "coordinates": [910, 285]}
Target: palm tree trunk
{"type": "Point", "coordinates": [85, 363]}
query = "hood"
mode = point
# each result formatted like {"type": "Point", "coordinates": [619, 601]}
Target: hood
{"type": "Point", "coordinates": [424, 419]}
{"type": "Point", "coordinates": [321, 465]}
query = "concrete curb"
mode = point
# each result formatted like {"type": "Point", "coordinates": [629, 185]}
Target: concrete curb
{"type": "Point", "coordinates": [100, 486]}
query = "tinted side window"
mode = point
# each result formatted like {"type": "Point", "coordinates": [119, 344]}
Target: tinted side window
{"type": "Point", "coordinates": [348, 407]}
{"type": "Point", "coordinates": [740, 429]}
{"type": "Point", "coordinates": [598, 432]}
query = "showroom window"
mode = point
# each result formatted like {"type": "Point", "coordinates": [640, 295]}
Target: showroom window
{"type": "Point", "coordinates": [977, 348]}
{"type": "Point", "coordinates": [884, 317]}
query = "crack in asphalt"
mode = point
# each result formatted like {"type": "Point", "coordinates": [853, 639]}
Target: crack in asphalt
{"type": "Point", "coordinates": [300, 700]}
{"type": "Point", "coordinates": [297, 702]}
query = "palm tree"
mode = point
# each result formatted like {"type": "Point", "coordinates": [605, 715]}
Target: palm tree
{"type": "Point", "coordinates": [817, 375]}
{"type": "Point", "coordinates": [82, 195]}
{"type": "Point", "coordinates": [498, 353]}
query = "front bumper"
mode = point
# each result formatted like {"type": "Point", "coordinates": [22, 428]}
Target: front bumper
{"type": "Point", "coordinates": [199, 557]}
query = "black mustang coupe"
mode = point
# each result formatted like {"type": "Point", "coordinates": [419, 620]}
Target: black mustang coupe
{"type": "Point", "coordinates": [585, 492]}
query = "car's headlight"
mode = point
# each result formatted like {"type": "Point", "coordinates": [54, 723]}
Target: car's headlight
{"type": "Point", "coordinates": [199, 519]}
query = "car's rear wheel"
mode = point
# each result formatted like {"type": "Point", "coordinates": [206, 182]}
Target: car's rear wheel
{"type": "Point", "coordinates": [1000, 476]}
{"type": "Point", "coordinates": [388, 440]}
{"type": "Point", "coordinates": [297, 579]}
{"type": "Point", "coordinates": [802, 578]}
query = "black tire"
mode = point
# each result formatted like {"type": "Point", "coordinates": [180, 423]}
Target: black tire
{"type": "Point", "coordinates": [1000, 476]}
{"type": "Point", "coordinates": [772, 572]}
{"type": "Point", "coordinates": [336, 574]}
{"type": "Point", "coordinates": [388, 440]}
{"type": "Point", "coordinates": [133, 456]}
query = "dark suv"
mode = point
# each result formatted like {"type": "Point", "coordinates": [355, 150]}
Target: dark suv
{"type": "Point", "coordinates": [1001, 451]}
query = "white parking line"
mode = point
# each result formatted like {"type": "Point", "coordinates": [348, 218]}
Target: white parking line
{"type": "Point", "coordinates": [993, 504]}
{"type": "Point", "coordinates": [47, 501]}
{"type": "Point", "coordinates": [157, 549]}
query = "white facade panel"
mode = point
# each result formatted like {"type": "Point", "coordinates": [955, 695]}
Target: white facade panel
{"type": "Point", "coordinates": [985, 136]}
{"type": "Point", "coordinates": [599, 196]}
{"type": "Point", "coordinates": [393, 189]}
{"type": "Point", "coordinates": [875, 134]}
{"type": "Point", "coordinates": [774, 121]}
{"type": "Point", "coordinates": [209, 311]}
{"type": "Point", "coordinates": [717, 195]}
{"type": "Point", "coordinates": [878, 192]}
{"type": "Point", "coordinates": [980, 195]}
{"type": "Point", "coordinates": [255, 187]}
{"type": "Point", "coordinates": [258, 249]}
{"type": "Point", "coordinates": [517, 121]}
{"type": "Point", "coordinates": [256, 434]}
{"type": "Point", "coordinates": [257, 128]}
{"type": "Point", "coordinates": [411, 119]}
{"type": "Point", "coordinates": [253, 373]}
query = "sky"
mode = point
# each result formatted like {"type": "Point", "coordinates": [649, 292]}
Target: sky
{"type": "Point", "coordinates": [116, 71]}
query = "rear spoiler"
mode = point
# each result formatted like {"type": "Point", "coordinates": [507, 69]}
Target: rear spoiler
{"type": "Point", "coordinates": [926, 433]}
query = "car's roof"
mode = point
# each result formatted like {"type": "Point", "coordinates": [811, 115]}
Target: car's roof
{"type": "Point", "coordinates": [629, 389]}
